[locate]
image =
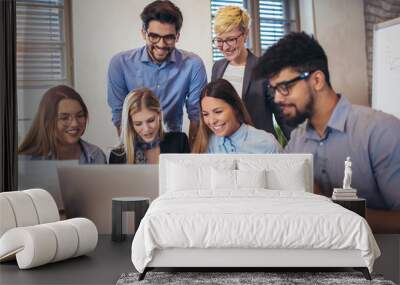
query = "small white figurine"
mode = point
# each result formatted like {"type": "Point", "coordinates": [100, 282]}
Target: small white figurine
{"type": "Point", "coordinates": [347, 174]}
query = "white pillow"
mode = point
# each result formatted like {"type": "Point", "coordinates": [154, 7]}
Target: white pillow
{"type": "Point", "coordinates": [282, 174]}
{"type": "Point", "coordinates": [251, 178]}
{"type": "Point", "coordinates": [187, 175]}
{"type": "Point", "coordinates": [292, 179]}
{"type": "Point", "coordinates": [223, 179]}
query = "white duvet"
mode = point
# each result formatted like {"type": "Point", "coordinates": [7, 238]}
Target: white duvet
{"type": "Point", "coordinates": [250, 218]}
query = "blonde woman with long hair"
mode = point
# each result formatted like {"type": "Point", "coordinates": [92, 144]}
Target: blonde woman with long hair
{"type": "Point", "coordinates": [57, 128]}
{"type": "Point", "coordinates": [225, 124]}
{"type": "Point", "coordinates": [142, 137]}
{"type": "Point", "coordinates": [232, 31]}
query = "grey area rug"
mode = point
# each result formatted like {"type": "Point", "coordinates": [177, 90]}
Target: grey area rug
{"type": "Point", "coordinates": [273, 278]}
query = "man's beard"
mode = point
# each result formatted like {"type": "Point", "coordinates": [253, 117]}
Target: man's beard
{"type": "Point", "coordinates": [300, 117]}
{"type": "Point", "coordinates": [150, 51]}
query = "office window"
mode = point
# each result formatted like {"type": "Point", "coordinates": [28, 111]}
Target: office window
{"type": "Point", "coordinates": [273, 22]}
{"type": "Point", "coordinates": [43, 53]}
{"type": "Point", "coordinates": [270, 20]}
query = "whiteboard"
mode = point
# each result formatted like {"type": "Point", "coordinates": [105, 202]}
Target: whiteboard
{"type": "Point", "coordinates": [386, 67]}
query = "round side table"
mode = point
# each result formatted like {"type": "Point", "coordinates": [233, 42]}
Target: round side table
{"type": "Point", "coordinates": [139, 205]}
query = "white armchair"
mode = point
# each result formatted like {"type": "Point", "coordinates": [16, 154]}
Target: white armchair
{"type": "Point", "coordinates": [31, 230]}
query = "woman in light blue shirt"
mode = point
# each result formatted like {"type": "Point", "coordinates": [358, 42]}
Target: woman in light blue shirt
{"type": "Point", "coordinates": [225, 125]}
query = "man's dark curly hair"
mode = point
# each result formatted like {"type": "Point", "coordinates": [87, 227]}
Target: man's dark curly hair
{"type": "Point", "coordinates": [163, 11]}
{"type": "Point", "coordinates": [296, 50]}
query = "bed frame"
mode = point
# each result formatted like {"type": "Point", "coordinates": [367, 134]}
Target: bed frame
{"type": "Point", "coordinates": [242, 259]}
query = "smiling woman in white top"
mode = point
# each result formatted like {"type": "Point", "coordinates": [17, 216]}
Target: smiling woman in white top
{"type": "Point", "coordinates": [225, 124]}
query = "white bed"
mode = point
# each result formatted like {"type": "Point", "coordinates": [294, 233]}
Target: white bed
{"type": "Point", "coordinates": [247, 211]}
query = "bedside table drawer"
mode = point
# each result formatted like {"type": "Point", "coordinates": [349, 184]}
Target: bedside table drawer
{"type": "Point", "coordinates": [356, 205]}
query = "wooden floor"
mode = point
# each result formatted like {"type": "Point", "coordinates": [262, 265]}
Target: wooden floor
{"type": "Point", "coordinates": [102, 266]}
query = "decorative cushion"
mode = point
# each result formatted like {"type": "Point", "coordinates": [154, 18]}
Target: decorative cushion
{"type": "Point", "coordinates": [283, 174]}
{"type": "Point", "coordinates": [186, 175]}
{"type": "Point", "coordinates": [236, 179]}
{"type": "Point", "coordinates": [251, 178]}
{"type": "Point", "coordinates": [292, 179]}
{"type": "Point", "coordinates": [223, 179]}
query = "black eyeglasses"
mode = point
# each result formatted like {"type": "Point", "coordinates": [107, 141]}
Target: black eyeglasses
{"type": "Point", "coordinates": [155, 38]}
{"type": "Point", "coordinates": [284, 87]}
{"type": "Point", "coordinates": [219, 43]}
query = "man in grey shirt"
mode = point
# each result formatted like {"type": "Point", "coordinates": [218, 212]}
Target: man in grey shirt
{"type": "Point", "coordinates": [333, 129]}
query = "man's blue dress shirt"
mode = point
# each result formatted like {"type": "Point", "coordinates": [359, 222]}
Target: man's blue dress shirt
{"type": "Point", "coordinates": [177, 81]}
{"type": "Point", "coordinates": [372, 140]}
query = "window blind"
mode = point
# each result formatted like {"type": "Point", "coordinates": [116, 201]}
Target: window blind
{"type": "Point", "coordinates": [41, 56]}
{"type": "Point", "coordinates": [41, 52]}
{"type": "Point", "coordinates": [273, 22]}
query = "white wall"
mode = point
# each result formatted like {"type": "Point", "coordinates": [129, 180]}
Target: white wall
{"type": "Point", "coordinates": [306, 14]}
{"type": "Point", "coordinates": [102, 28]}
{"type": "Point", "coordinates": [339, 26]}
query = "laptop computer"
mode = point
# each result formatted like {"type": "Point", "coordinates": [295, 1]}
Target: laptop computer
{"type": "Point", "coordinates": [42, 174]}
{"type": "Point", "coordinates": [87, 190]}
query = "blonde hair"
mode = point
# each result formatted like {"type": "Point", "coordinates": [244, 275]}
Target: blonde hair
{"type": "Point", "coordinates": [230, 17]}
{"type": "Point", "coordinates": [136, 101]}
{"type": "Point", "coordinates": [223, 90]}
{"type": "Point", "coordinates": [41, 139]}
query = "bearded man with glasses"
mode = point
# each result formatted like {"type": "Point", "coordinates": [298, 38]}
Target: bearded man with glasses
{"type": "Point", "coordinates": [296, 68]}
{"type": "Point", "coordinates": [175, 76]}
